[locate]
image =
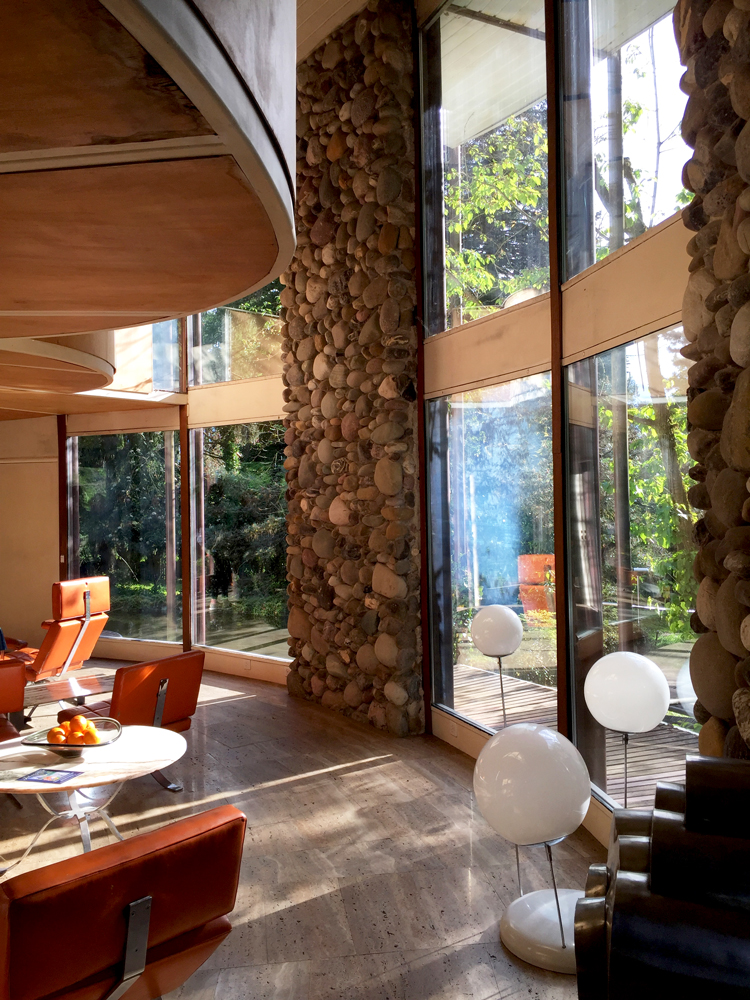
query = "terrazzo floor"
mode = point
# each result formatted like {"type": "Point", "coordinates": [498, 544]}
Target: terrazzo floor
{"type": "Point", "coordinates": [367, 872]}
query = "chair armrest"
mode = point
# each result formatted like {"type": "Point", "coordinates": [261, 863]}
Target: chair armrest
{"type": "Point", "coordinates": [15, 643]}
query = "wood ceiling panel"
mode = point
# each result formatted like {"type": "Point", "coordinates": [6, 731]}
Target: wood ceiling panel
{"type": "Point", "coordinates": [54, 380]}
{"type": "Point", "coordinates": [27, 403]}
{"type": "Point", "coordinates": [71, 75]}
{"type": "Point", "coordinates": [121, 245]}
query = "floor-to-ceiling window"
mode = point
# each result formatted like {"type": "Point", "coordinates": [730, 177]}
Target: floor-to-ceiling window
{"type": "Point", "coordinates": [124, 519]}
{"type": "Point", "coordinates": [238, 544]}
{"type": "Point", "coordinates": [631, 525]}
{"type": "Point", "coordinates": [492, 542]}
{"type": "Point", "coordinates": [621, 426]}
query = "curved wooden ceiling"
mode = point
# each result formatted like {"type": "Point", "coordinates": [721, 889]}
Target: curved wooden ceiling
{"type": "Point", "coordinates": [120, 203]}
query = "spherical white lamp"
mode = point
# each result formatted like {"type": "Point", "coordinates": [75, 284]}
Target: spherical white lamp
{"type": "Point", "coordinates": [628, 693]}
{"type": "Point", "coordinates": [496, 630]}
{"type": "Point", "coordinates": [533, 787]}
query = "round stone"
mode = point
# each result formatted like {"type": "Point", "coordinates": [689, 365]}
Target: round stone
{"type": "Point", "coordinates": [712, 674]}
{"type": "Point", "coordinates": [323, 543]}
{"type": "Point", "coordinates": [386, 651]}
{"type": "Point", "coordinates": [711, 738]}
{"type": "Point", "coordinates": [339, 512]}
{"type": "Point", "coordinates": [388, 477]}
{"type": "Point", "coordinates": [387, 583]}
{"type": "Point", "coordinates": [395, 693]}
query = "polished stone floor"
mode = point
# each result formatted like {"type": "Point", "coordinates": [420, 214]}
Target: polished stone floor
{"type": "Point", "coordinates": [367, 872]}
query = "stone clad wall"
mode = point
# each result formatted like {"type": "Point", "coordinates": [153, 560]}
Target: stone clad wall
{"type": "Point", "coordinates": [714, 43]}
{"type": "Point", "coordinates": [351, 355]}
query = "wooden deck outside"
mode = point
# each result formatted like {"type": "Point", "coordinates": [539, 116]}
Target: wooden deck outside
{"type": "Point", "coordinates": [652, 757]}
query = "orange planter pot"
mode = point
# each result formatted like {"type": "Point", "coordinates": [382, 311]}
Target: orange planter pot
{"type": "Point", "coordinates": [536, 569]}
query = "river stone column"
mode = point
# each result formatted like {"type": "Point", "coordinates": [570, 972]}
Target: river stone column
{"type": "Point", "coordinates": [714, 43]}
{"type": "Point", "coordinates": [350, 352]}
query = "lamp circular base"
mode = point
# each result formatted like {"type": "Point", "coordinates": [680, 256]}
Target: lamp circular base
{"type": "Point", "coordinates": [531, 930]}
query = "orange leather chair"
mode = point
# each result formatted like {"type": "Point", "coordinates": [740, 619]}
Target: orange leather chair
{"type": "Point", "coordinates": [160, 693]}
{"type": "Point", "coordinates": [12, 687]}
{"type": "Point", "coordinates": [149, 911]}
{"type": "Point", "coordinates": [78, 618]}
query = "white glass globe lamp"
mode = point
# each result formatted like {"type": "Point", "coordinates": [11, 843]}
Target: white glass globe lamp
{"type": "Point", "coordinates": [628, 693]}
{"type": "Point", "coordinates": [496, 630]}
{"type": "Point", "coordinates": [533, 788]}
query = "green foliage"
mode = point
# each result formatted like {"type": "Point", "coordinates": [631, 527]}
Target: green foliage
{"type": "Point", "coordinates": [122, 507]}
{"type": "Point", "coordinates": [497, 226]}
{"type": "Point", "coordinates": [245, 516]}
{"type": "Point", "coordinates": [660, 518]}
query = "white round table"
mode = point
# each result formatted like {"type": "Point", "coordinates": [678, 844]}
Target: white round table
{"type": "Point", "coordinates": [140, 750]}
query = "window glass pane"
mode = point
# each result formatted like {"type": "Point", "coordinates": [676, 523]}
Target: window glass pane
{"type": "Point", "coordinates": [147, 358]}
{"type": "Point", "coordinates": [239, 538]}
{"type": "Point", "coordinates": [492, 542]}
{"type": "Point", "coordinates": [632, 585]}
{"type": "Point", "coordinates": [124, 507]}
{"type": "Point", "coordinates": [623, 149]}
{"type": "Point", "coordinates": [238, 341]}
{"type": "Point", "coordinates": [486, 160]}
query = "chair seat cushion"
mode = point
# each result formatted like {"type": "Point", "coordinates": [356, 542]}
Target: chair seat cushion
{"type": "Point", "coordinates": [7, 730]}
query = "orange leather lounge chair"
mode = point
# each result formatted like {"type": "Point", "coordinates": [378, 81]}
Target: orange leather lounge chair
{"type": "Point", "coordinates": [160, 693]}
{"type": "Point", "coordinates": [78, 618]}
{"type": "Point", "coordinates": [150, 911]}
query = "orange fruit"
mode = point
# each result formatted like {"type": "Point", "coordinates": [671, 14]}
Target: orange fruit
{"type": "Point", "coordinates": [79, 724]}
{"type": "Point", "coordinates": [65, 726]}
{"type": "Point", "coordinates": [56, 735]}
{"type": "Point", "coordinates": [77, 739]}
{"type": "Point", "coordinates": [90, 737]}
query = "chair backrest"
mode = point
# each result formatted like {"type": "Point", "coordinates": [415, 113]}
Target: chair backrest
{"type": "Point", "coordinates": [68, 597]}
{"type": "Point", "coordinates": [64, 926]}
{"type": "Point", "coordinates": [12, 684]}
{"type": "Point", "coordinates": [136, 689]}
{"type": "Point", "coordinates": [59, 641]}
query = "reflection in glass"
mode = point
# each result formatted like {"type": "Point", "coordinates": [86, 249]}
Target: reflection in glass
{"type": "Point", "coordinates": [631, 581]}
{"type": "Point", "coordinates": [147, 358]}
{"type": "Point", "coordinates": [239, 538]}
{"type": "Point", "coordinates": [238, 341]}
{"type": "Point", "coordinates": [486, 160]}
{"type": "Point", "coordinates": [623, 149]}
{"type": "Point", "coordinates": [492, 542]}
{"type": "Point", "coordinates": [124, 521]}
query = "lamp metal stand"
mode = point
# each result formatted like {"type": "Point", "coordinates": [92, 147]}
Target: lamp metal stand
{"type": "Point", "coordinates": [518, 869]}
{"type": "Point", "coordinates": [502, 690]}
{"type": "Point", "coordinates": [557, 898]}
{"type": "Point", "coordinates": [625, 741]}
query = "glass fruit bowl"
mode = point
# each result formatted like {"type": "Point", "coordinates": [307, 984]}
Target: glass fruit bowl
{"type": "Point", "coordinates": [107, 729]}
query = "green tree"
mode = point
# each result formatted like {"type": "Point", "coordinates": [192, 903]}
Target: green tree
{"type": "Point", "coordinates": [497, 225]}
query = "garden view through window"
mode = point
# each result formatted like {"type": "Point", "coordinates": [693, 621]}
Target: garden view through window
{"type": "Point", "coordinates": [238, 341]}
{"type": "Point", "coordinates": [239, 537]}
{"type": "Point", "coordinates": [632, 585]}
{"type": "Point", "coordinates": [124, 505]}
{"type": "Point", "coordinates": [623, 109]}
{"type": "Point", "coordinates": [492, 542]}
{"type": "Point", "coordinates": [487, 79]}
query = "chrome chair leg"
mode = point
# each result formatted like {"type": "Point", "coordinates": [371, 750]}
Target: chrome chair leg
{"type": "Point", "coordinates": [171, 786]}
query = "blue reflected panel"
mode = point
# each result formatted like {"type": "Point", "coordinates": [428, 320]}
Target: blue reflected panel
{"type": "Point", "coordinates": [492, 542]}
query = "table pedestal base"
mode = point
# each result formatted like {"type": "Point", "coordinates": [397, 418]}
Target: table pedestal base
{"type": "Point", "coordinates": [81, 809]}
